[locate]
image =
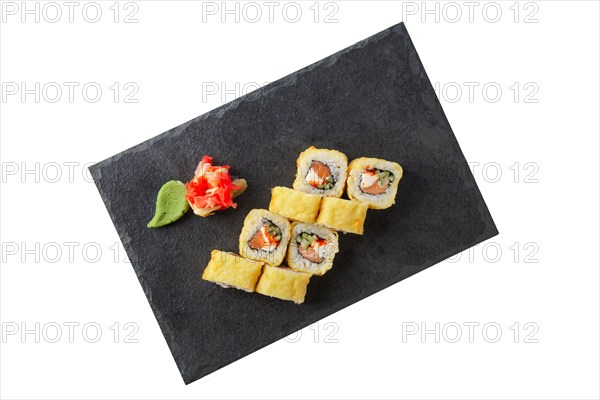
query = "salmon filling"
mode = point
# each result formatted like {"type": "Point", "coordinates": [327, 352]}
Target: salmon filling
{"type": "Point", "coordinates": [376, 181]}
{"type": "Point", "coordinates": [311, 247]}
{"type": "Point", "coordinates": [266, 238]}
{"type": "Point", "coordinates": [319, 176]}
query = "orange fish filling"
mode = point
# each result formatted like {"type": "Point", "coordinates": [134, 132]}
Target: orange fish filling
{"type": "Point", "coordinates": [375, 181]}
{"type": "Point", "coordinates": [311, 247]}
{"type": "Point", "coordinates": [320, 176]}
{"type": "Point", "coordinates": [266, 238]}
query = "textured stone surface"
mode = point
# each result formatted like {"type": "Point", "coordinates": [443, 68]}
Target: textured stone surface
{"type": "Point", "coordinates": [371, 99]}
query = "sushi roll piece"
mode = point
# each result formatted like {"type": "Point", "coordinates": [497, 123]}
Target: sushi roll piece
{"type": "Point", "coordinates": [375, 181]}
{"type": "Point", "coordinates": [230, 270]}
{"type": "Point", "coordinates": [312, 248]}
{"type": "Point", "coordinates": [322, 172]}
{"type": "Point", "coordinates": [283, 283]}
{"type": "Point", "coordinates": [294, 205]}
{"type": "Point", "coordinates": [343, 215]}
{"type": "Point", "coordinates": [265, 237]}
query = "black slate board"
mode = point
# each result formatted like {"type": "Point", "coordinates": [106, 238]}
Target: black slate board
{"type": "Point", "coordinates": [371, 99]}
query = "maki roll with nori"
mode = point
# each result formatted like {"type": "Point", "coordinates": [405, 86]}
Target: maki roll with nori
{"type": "Point", "coordinates": [264, 237]}
{"type": "Point", "coordinates": [374, 181]}
{"type": "Point", "coordinates": [322, 172]}
{"type": "Point", "coordinates": [312, 248]}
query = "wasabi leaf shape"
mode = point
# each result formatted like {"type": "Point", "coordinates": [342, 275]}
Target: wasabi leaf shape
{"type": "Point", "coordinates": [171, 204]}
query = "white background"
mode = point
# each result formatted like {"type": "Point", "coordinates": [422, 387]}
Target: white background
{"type": "Point", "coordinates": [541, 272]}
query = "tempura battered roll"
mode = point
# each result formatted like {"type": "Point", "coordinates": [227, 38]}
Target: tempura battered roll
{"type": "Point", "coordinates": [294, 205]}
{"type": "Point", "coordinates": [265, 237]}
{"type": "Point", "coordinates": [283, 283]}
{"type": "Point", "coordinates": [321, 171]}
{"type": "Point", "coordinates": [343, 215]}
{"type": "Point", "coordinates": [375, 181]}
{"type": "Point", "coordinates": [230, 270]}
{"type": "Point", "coordinates": [312, 248]}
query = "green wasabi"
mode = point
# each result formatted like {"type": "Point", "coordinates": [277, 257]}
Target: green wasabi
{"type": "Point", "coordinates": [171, 204]}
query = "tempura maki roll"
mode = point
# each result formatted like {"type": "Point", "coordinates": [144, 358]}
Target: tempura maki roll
{"type": "Point", "coordinates": [374, 181]}
{"type": "Point", "coordinates": [283, 283]}
{"type": "Point", "coordinates": [312, 248]}
{"type": "Point", "coordinates": [230, 270]}
{"type": "Point", "coordinates": [294, 204]}
{"type": "Point", "coordinates": [322, 172]}
{"type": "Point", "coordinates": [265, 237]}
{"type": "Point", "coordinates": [343, 215]}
